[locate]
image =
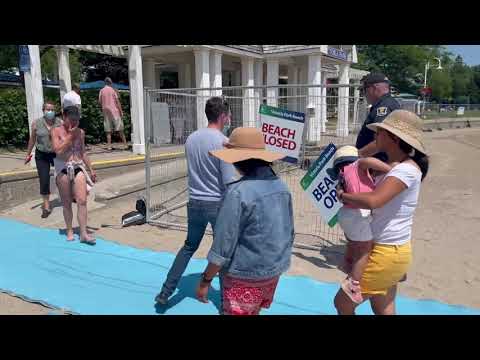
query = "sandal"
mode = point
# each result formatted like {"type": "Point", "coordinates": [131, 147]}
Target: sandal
{"type": "Point", "coordinates": [45, 213]}
{"type": "Point", "coordinates": [352, 289]}
{"type": "Point", "coordinates": [89, 242]}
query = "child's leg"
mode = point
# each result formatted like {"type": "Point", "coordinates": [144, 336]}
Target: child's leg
{"type": "Point", "coordinates": [346, 264]}
{"type": "Point", "coordinates": [360, 252]}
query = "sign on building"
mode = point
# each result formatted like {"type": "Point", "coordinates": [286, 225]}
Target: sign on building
{"type": "Point", "coordinates": [320, 188]}
{"type": "Point", "coordinates": [337, 53]}
{"type": "Point", "coordinates": [24, 58]}
{"type": "Point", "coordinates": [282, 131]}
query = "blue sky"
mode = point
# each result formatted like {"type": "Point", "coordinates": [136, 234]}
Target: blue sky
{"type": "Point", "coordinates": [469, 53]}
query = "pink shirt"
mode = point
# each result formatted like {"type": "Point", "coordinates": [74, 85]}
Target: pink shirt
{"type": "Point", "coordinates": [357, 180]}
{"type": "Point", "coordinates": [108, 98]}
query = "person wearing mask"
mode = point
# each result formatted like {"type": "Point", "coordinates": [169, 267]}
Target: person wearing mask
{"type": "Point", "coordinates": [44, 154]}
{"type": "Point", "coordinates": [207, 179]}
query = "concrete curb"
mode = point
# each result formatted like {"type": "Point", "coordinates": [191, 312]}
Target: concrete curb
{"type": "Point", "coordinates": [20, 175]}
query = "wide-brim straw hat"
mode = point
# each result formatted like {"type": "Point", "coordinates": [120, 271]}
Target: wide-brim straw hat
{"type": "Point", "coordinates": [406, 125]}
{"type": "Point", "coordinates": [243, 144]}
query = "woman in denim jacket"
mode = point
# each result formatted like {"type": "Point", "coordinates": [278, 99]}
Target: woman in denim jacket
{"type": "Point", "coordinates": [254, 232]}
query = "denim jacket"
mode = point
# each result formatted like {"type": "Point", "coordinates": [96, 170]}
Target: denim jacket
{"type": "Point", "coordinates": [254, 231]}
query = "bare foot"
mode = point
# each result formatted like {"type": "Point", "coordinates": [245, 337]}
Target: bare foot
{"type": "Point", "coordinates": [87, 239]}
{"type": "Point", "coordinates": [70, 235]}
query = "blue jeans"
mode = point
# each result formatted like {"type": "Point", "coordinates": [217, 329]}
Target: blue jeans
{"type": "Point", "coordinates": [199, 213]}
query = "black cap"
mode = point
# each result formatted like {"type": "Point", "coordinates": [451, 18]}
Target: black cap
{"type": "Point", "coordinates": [374, 78]}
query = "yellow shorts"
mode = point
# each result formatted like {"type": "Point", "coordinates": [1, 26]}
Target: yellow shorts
{"type": "Point", "coordinates": [386, 266]}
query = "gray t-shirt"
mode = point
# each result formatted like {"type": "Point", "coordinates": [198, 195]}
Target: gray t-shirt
{"type": "Point", "coordinates": [207, 175]}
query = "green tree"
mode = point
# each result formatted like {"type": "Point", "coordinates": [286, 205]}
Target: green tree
{"type": "Point", "coordinates": [8, 57]}
{"type": "Point", "coordinates": [461, 81]}
{"type": "Point", "coordinates": [49, 65]}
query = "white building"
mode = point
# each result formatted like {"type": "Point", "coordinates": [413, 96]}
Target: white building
{"type": "Point", "coordinates": [215, 66]}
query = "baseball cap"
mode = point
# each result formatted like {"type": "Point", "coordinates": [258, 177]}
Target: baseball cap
{"type": "Point", "coordinates": [374, 78]}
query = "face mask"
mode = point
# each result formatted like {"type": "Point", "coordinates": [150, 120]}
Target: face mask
{"type": "Point", "coordinates": [49, 115]}
{"type": "Point", "coordinates": [226, 129]}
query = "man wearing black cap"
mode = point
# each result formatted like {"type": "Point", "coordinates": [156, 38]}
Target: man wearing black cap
{"type": "Point", "coordinates": [376, 88]}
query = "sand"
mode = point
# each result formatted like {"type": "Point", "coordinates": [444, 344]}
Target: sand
{"type": "Point", "coordinates": [446, 247]}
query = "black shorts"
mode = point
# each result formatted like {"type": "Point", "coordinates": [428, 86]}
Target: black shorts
{"type": "Point", "coordinates": [77, 170]}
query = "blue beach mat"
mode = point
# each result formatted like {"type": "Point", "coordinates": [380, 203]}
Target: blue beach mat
{"type": "Point", "coordinates": [39, 265]}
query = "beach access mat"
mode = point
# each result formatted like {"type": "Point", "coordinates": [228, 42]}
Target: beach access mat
{"type": "Point", "coordinates": [39, 265]}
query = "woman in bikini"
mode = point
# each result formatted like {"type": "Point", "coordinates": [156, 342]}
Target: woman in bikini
{"type": "Point", "coordinates": [71, 164]}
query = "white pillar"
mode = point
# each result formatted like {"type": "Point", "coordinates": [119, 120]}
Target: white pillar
{"type": "Point", "coordinates": [135, 75]}
{"type": "Point", "coordinates": [202, 77]}
{"type": "Point", "coordinates": [216, 72]}
{"type": "Point", "coordinates": [323, 104]}
{"type": "Point", "coordinates": [64, 78]}
{"type": "Point", "coordinates": [293, 80]}
{"type": "Point", "coordinates": [258, 73]}
{"type": "Point", "coordinates": [356, 98]}
{"type": "Point", "coordinates": [148, 73]}
{"type": "Point", "coordinates": [343, 101]}
{"type": "Point", "coordinates": [272, 80]}
{"type": "Point", "coordinates": [248, 94]}
{"type": "Point", "coordinates": [33, 86]}
{"type": "Point", "coordinates": [314, 98]}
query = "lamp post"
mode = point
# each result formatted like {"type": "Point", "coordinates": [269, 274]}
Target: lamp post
{"type": "Point", "coordinates": [427, 67]}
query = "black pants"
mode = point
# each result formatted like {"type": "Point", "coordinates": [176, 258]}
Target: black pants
{"type": "Point", "coordinates": [44, 161]}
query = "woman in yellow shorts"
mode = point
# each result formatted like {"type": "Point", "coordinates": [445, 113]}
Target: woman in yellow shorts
{"type": "Point", "coordinates": [393, 203]}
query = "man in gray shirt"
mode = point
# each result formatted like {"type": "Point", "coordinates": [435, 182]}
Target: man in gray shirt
{"type": "Point", "coordinates": [207, 176]}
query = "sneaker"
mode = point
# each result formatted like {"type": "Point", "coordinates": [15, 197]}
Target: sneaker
{"type": "Point", "coordinates": [352, 289]}
{"type": "Point", "coordinates": [161, 299]}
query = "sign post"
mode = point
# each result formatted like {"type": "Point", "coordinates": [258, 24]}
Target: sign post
{"type": "Point", "coordinates": [321, 188]}
{"type": "Point", "coordinates": [282, 131]}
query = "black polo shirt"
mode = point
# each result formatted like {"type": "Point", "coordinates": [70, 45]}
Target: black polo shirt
{"type": "Point", "coordinates": [378, 112]}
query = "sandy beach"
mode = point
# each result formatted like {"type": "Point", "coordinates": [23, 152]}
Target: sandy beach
{"type": "Point", "coordinates": [446, 247]}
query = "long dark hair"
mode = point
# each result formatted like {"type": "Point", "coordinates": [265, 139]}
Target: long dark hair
{"type": "Point", "coordinates": [248, 167]}
{"type": "Point", "coordinates": [420, 158]}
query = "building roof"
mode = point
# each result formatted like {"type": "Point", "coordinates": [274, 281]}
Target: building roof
{"type": "Point", "coordinates": [272, 49]}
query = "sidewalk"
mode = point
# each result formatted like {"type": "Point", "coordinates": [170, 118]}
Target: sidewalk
{"type": "Point", "coordinates": [13, 161]}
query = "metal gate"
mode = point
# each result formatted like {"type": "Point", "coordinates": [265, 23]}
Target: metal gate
{"type": "Point", "coordinates": [334, 114]}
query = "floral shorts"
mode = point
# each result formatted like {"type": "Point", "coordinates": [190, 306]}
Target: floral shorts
{"type": "Point", "coordinates": [247, 297]}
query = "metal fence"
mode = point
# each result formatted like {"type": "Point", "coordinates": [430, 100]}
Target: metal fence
{"type": "Point", "coordinates": [334, 114]}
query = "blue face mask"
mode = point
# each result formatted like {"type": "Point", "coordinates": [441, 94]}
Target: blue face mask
{"type": "Point", "coordinates": [226, 129]}
{"type": "Point", "coordinates": [49, 115]}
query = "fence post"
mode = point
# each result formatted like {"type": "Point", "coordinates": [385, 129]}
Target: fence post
{"type": "Point", "coordinates": [148, 138]}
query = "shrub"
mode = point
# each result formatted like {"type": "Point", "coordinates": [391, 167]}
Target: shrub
{"type": "Point", "coordinates": [14, 119]}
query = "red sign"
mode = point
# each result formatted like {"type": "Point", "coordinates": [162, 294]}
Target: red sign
{"type": "Point", "coordinates": [426, 91]}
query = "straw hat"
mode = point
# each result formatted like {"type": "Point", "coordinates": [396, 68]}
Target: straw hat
{"type": "Point", "coordinates": [345, 153]}
{"type": "Point", "coordinates": [406, 125]}
{"type": "Point", "coordinates": [243, 144]}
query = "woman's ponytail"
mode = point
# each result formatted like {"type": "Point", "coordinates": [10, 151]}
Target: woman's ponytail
{"type": "Point", "coordinates": [420, 158]}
